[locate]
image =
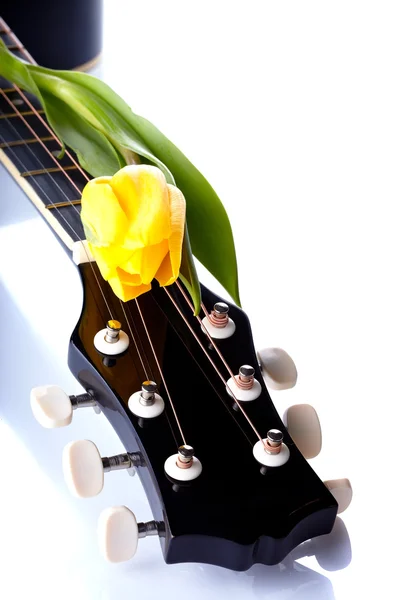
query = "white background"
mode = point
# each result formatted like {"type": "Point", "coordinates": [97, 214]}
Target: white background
{"type": "Point", "coordinates": [291, 110]}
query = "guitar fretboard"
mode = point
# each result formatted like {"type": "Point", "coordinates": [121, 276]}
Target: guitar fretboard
{"type": "Point", "coordinates": [29, 152]}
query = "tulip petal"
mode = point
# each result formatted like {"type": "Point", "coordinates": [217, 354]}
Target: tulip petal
{"type": "Point", "coordinates": [125, 287]}
{"type": "Point", "coordinates": [102, 214]}
{"type": "Point", "coordinates": [146, 261]}
{"type": "Point", "coordinates": [169, 269]}
{"type": "Point", "coordinates": [143, 196]}
{"type": "Point", "coordinates": [108, 258]}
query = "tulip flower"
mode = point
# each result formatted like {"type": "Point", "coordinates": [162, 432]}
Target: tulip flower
{"type": "Point", "coordinates": [89, 117]}
{"type": "Point", "coordinates": [134, 222]}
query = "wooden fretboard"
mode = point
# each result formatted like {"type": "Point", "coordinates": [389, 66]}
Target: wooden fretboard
{"type": "Point", "coordinates": [44, 181]}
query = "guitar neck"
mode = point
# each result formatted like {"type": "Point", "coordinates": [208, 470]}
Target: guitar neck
{"type": "Point", "coordinates": [29, 150]}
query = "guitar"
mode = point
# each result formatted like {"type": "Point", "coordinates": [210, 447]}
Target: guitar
{"type": "Point", "coordinates": [187, 397]}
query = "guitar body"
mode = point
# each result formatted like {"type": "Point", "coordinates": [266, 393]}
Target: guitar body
{"type": "Point", "coordinates": [233, 515]}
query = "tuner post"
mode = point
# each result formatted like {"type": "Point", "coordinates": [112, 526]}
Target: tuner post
{"type": "Point", "coordinates": [244, 386]}
{"type": "Point", "coordinates": [185, 457]}
{"type": "Point", "coordinates": [111, 341]}
{"type": "Point", "coordinates": [274, 441]}
{"type": "Point", "coordinates": [113, 329]}
{"type": "Point", "coordinates": [146, 404]}
{"type": "Point", "coordinates": [217, 323]}
{"type": "Point", "coordinates": [183, 466]}
{"type": "Point", "coordinates": [271, 451]}
{"type": "Point", "coordinates": [83, 401]}
{"type": "Point", "coordinates": [128, 461]}
{"type": "Point", "coordinates": [148, 393]}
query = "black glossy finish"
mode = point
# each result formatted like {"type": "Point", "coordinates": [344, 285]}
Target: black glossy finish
{"type": "Point", "coordinates": [232, 515]}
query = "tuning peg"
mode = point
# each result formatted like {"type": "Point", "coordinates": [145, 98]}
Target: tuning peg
{"type": "Point", "coordinates": [302, 422]}
{"type": "Point", "coordinates": [52, 407]}
{"type": "Point", "coordinates": [119, 532]}
{"type": "Point", "coordinates": [84, 468]}
{"type": "Point", "coordinates": [278, 368]}
{"type": "Point", "coordinates": [342, 491]}
{"type": "Point", "coordinates": [111, 340]}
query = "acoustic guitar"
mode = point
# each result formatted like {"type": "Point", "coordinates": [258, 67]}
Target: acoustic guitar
{"type": "Point", "coordinates": [188, 396]}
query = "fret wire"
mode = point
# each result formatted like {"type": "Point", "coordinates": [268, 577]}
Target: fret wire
{"type": "Point", "coordinates": [63, 204]}
{"type": "Point", "coordinates": [40, 187]}
{"type": "Point", "coordinates": [8, 90]}
{"type": "Point", "coordinates": [15, 47]}
{"type": "Point", "coordinates": [27, 101]}
{"type": "Point", "coordinates": [49, 170]}
{"type": "Point", "coordinates": [61, 215]}
{"type": "Point", "coordinates": [24, 113]}
{"type": "Point", "coordinates": [27, 141]}
{"type": "Point", "coordinates": [37, 113]}
{"type": "Point", "coordinates": [94, 273]}
{"type": "Point", "coordinates": [44, 146]}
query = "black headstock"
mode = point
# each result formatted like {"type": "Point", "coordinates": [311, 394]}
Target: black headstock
{"type": "Point", "coordinates": [236, 513]}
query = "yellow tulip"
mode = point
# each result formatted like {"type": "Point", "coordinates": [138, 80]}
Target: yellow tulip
{"type": "Point", "coordinates": [134, 222]}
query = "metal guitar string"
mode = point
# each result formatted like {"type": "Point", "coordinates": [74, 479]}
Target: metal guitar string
{"type": "Point", "coordinates": [72, 229]}
{"type": "Point", "coordinates": [69, 201]}
{"type": "Point", "coordinates": [207, 355]}
{"type": "Point", "coordinates": [76, 163]}
{"type": "Point", "coordinates": [159, 368]}
{"type": "Point", "coordinates": [52, 178]}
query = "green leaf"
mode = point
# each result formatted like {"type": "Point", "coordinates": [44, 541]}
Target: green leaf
{"type": "Point", "coordinates": [95, 152]}
{"type": "Point", "coordinates": [208, 223]}
{"type": "Point", "coordinates": [101, 128]}
{"type": "Point", "coordinates": [188, 274]}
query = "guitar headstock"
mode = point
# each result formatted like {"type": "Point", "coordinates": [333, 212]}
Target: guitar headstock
{"type": "Point", "coordinates": [229, 508]}
{"type": "Point", "coordinates": [169, 390]}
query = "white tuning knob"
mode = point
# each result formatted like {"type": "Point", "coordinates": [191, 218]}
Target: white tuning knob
{"type": "Point", "coordinates": [52, 407]}
{"type": "Point", "coordinates": [119, 532]}
{"type": "Point", "coordinates": [302, 422]}
{"type": "Point", "coordinates": [278, 368]}
{"type": "Point", "coordinates": [84, 467]}
{"type": "Point", "coordinates": [342, 491]}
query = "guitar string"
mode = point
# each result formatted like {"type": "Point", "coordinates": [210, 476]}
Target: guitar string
{"type": "Point", "coordinates": [159, 368]}
{"type": "Point", "coordinates": [73, 230]}
{"type": "Point", "coordinates": [4, 95]}
{"type": "Point", "coordinates": [209, 357]}
{"type": "Point", "coordinates": [84, 174]}
{"type": "Point", "coordinates": [30, 59]}
{"type": "Point", "coordinates": [62, 191]}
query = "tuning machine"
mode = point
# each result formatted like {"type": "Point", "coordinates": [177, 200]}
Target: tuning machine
{"type": "Point", "coordinates": [303, 425]}
{"type": "Point", "coordinates": [244, 386]}
{"type": "Point", "coordinates": [52, 407]}
{"type": "Point", "coordinates": [218, 324]}
{"type": "Point", "coordinates": [119, 532]}
{"type": "Point", "coordinates": [278, 368]}
{"type": "Point", "coordinates": [84, 467]}
{"type": "Point", "coordinates": [111, 341]}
